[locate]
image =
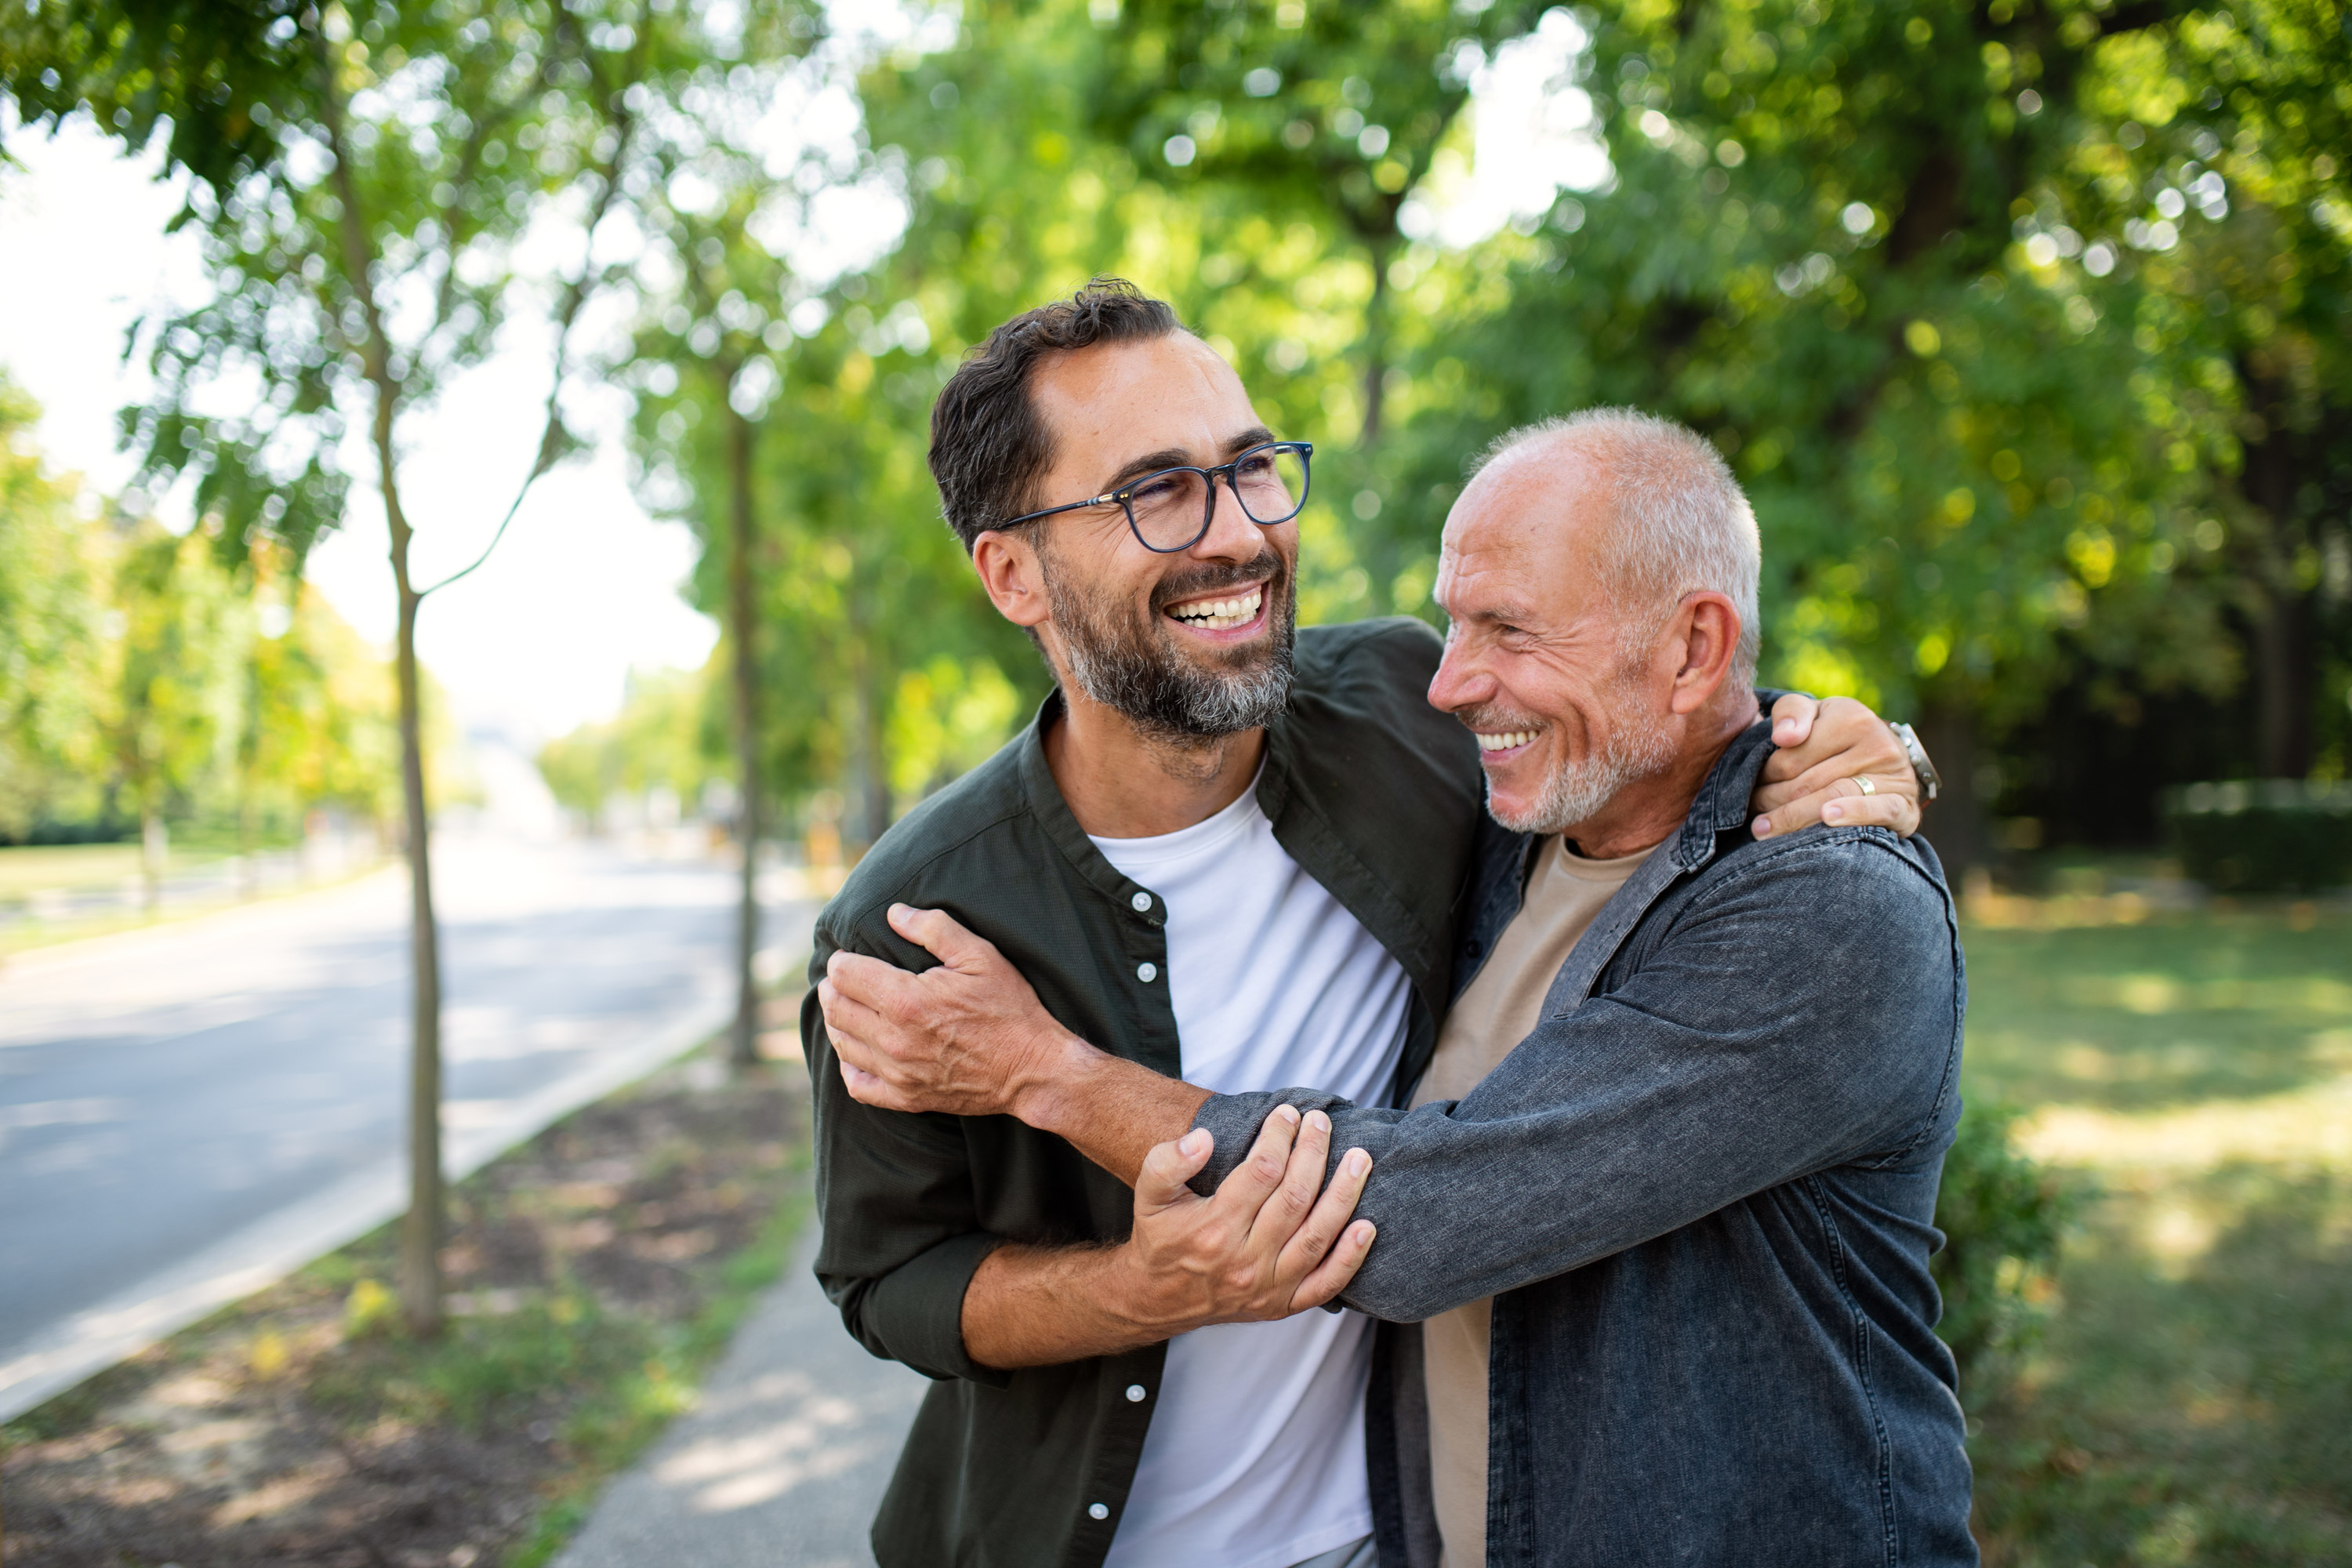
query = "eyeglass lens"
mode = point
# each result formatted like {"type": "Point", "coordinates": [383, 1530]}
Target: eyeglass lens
{"type": "Point", "coordinates": [1171, 509]}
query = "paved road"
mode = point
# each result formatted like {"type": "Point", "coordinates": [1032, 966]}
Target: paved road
{"type": "Point", "coordinates": [162, 1090]}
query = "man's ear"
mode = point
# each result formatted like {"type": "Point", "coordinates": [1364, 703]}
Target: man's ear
{"type": "Point", "coordinates": [1012, 577]}
{"type": "Point", "coordinates": [1708, 628]}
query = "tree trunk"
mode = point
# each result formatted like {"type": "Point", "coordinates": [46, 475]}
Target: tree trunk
{"type": "Point", "coordinates": [1376, 350]}
{"type": "Point", "coordinates": [154, 852]}
{"type": "Point", "coordinates": [743, 1045]}
{"type": "Point", "coordinates": [420, 1229]}
{"type": "Point", "coordinates": [869, 807]}
{"type": "Point", "coordinates": [2283, 667]}
{"type": "Point", "coordinates": [1957, 822]}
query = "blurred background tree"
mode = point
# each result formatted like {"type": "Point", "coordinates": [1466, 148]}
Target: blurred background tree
{"type": "Point", "coordinates": [148, 688]}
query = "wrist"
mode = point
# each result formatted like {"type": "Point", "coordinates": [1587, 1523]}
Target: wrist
{"type": "Point", "coordinates": [1047, 1096]}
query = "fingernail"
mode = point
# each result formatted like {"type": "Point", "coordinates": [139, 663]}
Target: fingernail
{"type": "Point", "coordinates": [1833, 813]}
{"type": "Point", "coordinates": [1317, 1120]}
{"type": "Point", "coordinates": [1357, 1161]}
{"type": "Point", "coordinates": [1761, 827]}
{"type": "Point", "coordinates": [1193, 1142]}
{"type": "Point", "coordinates": [1365, 1231]}
{"type": "Point", "coordinates": [1287, 1112]}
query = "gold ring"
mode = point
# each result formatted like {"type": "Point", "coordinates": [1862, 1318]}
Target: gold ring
{"type": "Point", "coordinates": [1867, 787]}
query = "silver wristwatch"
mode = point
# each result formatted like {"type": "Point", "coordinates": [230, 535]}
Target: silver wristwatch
{"type": "Point", "coordinates": [1929, 780]}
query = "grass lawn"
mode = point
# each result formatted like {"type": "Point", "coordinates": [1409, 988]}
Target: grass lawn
{"type": "Point", "coordinates": [2190, 1400]}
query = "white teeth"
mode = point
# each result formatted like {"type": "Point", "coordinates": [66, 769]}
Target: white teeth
{"type": "Point", "coordinates": [1220, 613]}
{"type": "Point", "coordinates": [1505, 742]}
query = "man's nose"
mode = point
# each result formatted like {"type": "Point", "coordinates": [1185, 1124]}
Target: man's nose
{"type": "Point", "coordinates": [1461, 680]}
{"type": "Point", "coordinates": [1232, 535]}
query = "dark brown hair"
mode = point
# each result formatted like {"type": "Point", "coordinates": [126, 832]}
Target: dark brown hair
{"type": "Point", "coordinates": [988, 448]}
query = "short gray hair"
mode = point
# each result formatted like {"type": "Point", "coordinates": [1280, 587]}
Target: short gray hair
{"type": "Point", "coordinates": [1686, 524]}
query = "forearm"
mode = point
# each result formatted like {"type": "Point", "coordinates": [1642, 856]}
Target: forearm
{"type": "Point", "coordinates": [1041, 1306]}
{"type": "Point", "coordinates": [1110, 1109]}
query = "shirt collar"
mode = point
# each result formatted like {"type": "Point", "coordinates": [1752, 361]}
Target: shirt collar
{"type": "Point", "coordinates": [1722, 802]}
{"type": "Point", "coordinates": [1054, 814]}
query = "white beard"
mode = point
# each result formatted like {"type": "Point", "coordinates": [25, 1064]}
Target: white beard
{"type": "Point", "coordinates": [1638, 748]}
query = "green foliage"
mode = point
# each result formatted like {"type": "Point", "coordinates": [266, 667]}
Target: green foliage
{"type": "Point", "coordinates": [666, 734]}
{"type": "Point", "coordinates": [2003, 1217]}
{"type": "Point", "coordinates": [140, 678]}
{"type": "Point", "coordinates": [2278, 836]}
{"type": "Point", "coordinates": [53, 641]}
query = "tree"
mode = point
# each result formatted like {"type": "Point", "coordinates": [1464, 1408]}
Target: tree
{"type": "Point", "coordinates": [52, 635]}
{"type": "Point", "coordinates": [718, 326]}
{"type": "Point", "coordinates": [360, 175]}
{"type": "Point", "coordinates": [177, 679]}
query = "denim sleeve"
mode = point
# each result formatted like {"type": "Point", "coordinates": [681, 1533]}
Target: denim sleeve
{"type": "Point", "coordinates": [902, 1235]}
{"type": "Point", "coordinates": [1801, 1010]}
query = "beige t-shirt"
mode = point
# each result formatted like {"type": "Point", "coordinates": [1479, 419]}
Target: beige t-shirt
{"type": "Point", "coordinates": [1499, 1009]}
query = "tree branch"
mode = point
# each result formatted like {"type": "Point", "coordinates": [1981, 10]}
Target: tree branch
{"type": "Point", "coordinates": [623, 121]}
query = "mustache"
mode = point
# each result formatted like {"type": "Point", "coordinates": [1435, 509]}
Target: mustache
{"type": "Point", "coordinates": [1210, 577]}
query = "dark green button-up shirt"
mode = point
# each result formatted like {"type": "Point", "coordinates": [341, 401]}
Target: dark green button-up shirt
{"type": "Point", "coordinates": [1375, 795]}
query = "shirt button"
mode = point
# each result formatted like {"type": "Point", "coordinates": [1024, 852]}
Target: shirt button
{"type": "Point", "coordinates": [1147, 973]}
{"type": "Point", "coordinates": [1097, 1511]}
{"type": "Point", "coordinates": [1142, 902]}
{"type": "Point", "coordinates": [1135, 1393]}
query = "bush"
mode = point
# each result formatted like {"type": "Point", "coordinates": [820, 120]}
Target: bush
{"type": "Point", "coordinates": [2268, 836]}
{"type": "Point", "coordinates": [2003, 1217]}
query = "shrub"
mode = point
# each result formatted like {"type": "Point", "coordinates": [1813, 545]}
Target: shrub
{"type": "Point", "coordinates": [2003, 1217]}
{"type": "Point", "coordinates": [2267, 835]}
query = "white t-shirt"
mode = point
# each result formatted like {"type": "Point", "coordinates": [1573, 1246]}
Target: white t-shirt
{"type": "Point", "coordinates": [1254, 1456]}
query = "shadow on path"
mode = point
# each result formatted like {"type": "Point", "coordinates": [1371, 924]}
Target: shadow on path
{"type": "Point", "coordinates": [782, 1463]}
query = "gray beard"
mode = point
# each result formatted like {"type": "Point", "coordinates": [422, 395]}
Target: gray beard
{"type": "Point", "coordinates": [1636, 749]}
{"type": "Point", "coordinates": [1142, 673]}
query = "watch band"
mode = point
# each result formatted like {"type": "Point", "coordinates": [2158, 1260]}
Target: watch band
{"type": "Point", "coordinates": [1930, 782]}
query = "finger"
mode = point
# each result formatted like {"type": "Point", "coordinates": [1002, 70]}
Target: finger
{"type": "Point", "coordinates": [1335, 1273]}
{"type": "Point", "coordinates": [1161, 1181]}
{"type": "Point", "coordinates": [1792, 718]}
{"type": "Point", "coordinates": [1899, 813]}
{"type": "Point", "coordinates": [867, 1090]}
{"type": "Point", "coordinates": [1305, 1249]}
{"type": "Point", "coordinates": [845, 1016]}
{"type": "Point", "coordinates": [1837, 805]}
{"type": "Point", "coordinates": [1245, 1190]}
{"type": "Point", "coordinates": [940, 933]}
{"type": "Point", "coordinates": [1887, 773]}
{"type": "Point", "coordinates": [1847, 738]}
{"type": "Point", "coordinates": [1277, 1220]}
{"type": "Point", "coordinates": [876, 983]}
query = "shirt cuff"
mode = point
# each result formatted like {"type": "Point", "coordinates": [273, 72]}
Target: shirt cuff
{"type": "Point", "coordinates": [917, 1310]}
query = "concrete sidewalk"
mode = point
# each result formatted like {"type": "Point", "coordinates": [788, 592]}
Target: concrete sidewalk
{"type": "Point", "coordinates": [780, 1465]}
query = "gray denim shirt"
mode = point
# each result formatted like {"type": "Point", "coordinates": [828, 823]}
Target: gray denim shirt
{"type": "Point", "coordinates": [1702, 1194]}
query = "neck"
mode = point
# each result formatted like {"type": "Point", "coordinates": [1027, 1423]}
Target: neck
{"type": "Point", "coordinates": [1121, 783]}
{"type": "Point", "coordinates": [1646, 813]}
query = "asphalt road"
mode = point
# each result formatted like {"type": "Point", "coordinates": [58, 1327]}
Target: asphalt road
{"type": "Point", "coordinates": [162, 1090]}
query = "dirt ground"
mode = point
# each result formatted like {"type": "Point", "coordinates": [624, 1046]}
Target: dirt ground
{"type": "Point", "coordinates": [591, 1273]}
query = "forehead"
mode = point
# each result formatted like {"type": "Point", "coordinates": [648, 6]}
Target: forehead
{"type": "Point", "coordinates": [1115, 400]}
{"type": "Point", "coordinates": [1524, 531]}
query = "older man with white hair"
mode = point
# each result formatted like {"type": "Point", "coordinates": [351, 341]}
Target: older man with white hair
{"type": "Point", "coordinates": [1654, 1231]}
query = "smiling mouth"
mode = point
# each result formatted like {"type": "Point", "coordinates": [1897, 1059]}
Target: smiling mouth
{"type": "Point", "coordinates": [1503, 740]}
{"type": "Point", "coordinates": [1221, 614]}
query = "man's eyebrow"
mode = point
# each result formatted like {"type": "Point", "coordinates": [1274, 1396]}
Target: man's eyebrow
{"type": "Point", "coordinates": [1150, 462]}
{"type": "Point", "coordinates": [1499, 614]}
{"type": "Point", "coordinates": [1172, 458]}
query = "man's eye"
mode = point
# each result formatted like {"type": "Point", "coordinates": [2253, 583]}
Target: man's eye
{"type": "Point", "coordinates": [1157, 488]}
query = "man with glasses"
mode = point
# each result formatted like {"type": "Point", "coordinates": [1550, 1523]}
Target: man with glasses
{"type": "Point", "coordinates": [1231, 852]}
